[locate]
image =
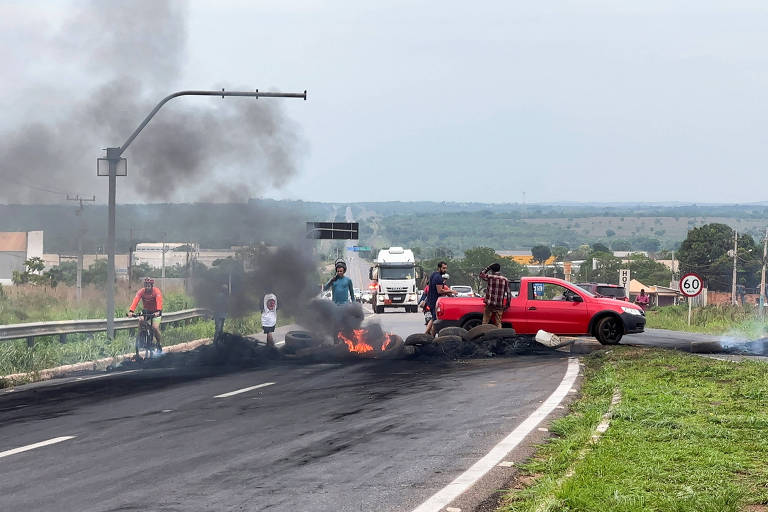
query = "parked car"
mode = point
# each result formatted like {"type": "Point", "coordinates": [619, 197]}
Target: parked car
{"type": "Point", "coordinates": [613, 291]}
{"type": "Point", "coordinates": [366, 296]}
{"type": "Point", "coordinates": [464, 291]}
{"type": "Point", "coordinates": [553, 305]}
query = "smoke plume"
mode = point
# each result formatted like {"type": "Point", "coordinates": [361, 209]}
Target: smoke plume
{"type": "Point", "coordinates": [196, 148]}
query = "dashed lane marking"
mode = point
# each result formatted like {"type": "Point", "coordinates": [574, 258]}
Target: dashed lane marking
{"type": "Point", "coordinates": [244, 390]}
{"type": "Point", "coordinates": [36, 445]}
{"type": "Point", "coordinates": [464, 481]}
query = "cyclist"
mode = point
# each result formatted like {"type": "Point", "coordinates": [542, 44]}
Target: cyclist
{"type": "Point", "coordinates": [152, 302]}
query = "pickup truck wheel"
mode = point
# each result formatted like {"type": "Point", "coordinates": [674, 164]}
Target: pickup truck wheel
{"type": "Point", "coordinates": [609, 330]}
{"type": "Point", "coordinates": [378, 309]}
{"type": "Point", "coordinates": [479, 331]}
{"type": "Point", "coordinates": [472, 322]}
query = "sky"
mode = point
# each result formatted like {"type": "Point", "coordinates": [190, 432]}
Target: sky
{"type": "Point", "coordinates": [496, 101]}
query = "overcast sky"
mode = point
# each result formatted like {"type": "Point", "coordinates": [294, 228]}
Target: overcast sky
{"type": "Point", "coordinates": [443, 101]}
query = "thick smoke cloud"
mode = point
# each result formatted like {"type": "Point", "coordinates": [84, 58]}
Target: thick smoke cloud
{"type": "Point", "coordinates": [208, 149]}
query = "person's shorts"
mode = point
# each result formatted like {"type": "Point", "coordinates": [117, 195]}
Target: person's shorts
{"type": "Point", "coordinates": [268, 330]}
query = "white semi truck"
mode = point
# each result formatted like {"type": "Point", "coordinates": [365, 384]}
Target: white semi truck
{"type": "Point", "coordinates": [394, 274]}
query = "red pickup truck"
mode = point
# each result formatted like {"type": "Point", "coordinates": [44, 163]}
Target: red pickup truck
{"type": "Point", "coordinates": [553, 305]}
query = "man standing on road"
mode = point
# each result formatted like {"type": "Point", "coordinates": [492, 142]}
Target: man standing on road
{"type": "Point", "coordinates": [497, 294]}
{"type": "Point", "coordinates": [437, 288]}
{"type": "Point", "coordinates": [343, 291]}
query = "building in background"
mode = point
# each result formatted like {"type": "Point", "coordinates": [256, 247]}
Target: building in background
{"type": "Point", "coordinates": [15, 248]}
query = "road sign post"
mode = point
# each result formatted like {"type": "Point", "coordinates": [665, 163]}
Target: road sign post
{"type": "Point", "coordinates": [690, 286]}
{"type": "Point", "coordinates": [624, 279]}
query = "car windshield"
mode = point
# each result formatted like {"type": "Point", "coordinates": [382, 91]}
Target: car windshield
{"type": "Point", "coordinates": [612, 291]}
{"type": "Point", "coordinates": [396, 272]}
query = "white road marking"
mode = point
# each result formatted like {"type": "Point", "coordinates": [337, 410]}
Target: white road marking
{"type": "Point", "coordinates": [106, 375]}
{"type": "Point", "coordinates": [467, 479]}
{"type": "Point", "coordinates": [506, 464]}
{"type": "Point", "coordinates": [244, 390]}
{"type": "Point", "coordinates": [36, 445]}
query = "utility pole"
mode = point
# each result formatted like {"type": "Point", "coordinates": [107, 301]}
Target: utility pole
{"type": "Point", "coordinates": [162, 265]}
{"type": "Point", "coordinates": [80, 233]}
{"type": "Point", "coordinates": [735, 256]}
{"type": "Point", "coordinates": [762, 275]}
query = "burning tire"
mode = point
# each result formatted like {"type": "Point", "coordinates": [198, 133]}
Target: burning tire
{"type": "Point", "coordinates": [297, 340]}
{"type": "Point", "coordinates": [419, 339]}
{"type": "Point", "coordinates": [479, 331]}
{"type": "Point", "coordinates": [453, 331]}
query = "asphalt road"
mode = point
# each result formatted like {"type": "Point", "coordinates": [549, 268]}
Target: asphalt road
{"type": "Point", "coordinates": [371, 435]}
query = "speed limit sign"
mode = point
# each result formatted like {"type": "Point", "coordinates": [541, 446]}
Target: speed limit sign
{"type": "Point", "coordinates": [690, 285]}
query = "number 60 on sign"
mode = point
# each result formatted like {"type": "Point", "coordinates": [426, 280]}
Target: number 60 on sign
{"type": "Point", "coordinates": [690, 285]}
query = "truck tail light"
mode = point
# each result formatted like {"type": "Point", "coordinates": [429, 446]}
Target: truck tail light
{"type": "Point", "coordinates": [439, 311]}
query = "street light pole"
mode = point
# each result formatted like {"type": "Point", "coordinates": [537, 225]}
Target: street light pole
{"type": "Point", "coordinates": [113, 157]}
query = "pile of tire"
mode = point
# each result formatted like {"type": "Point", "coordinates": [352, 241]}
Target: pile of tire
{"type": "Point", "coordinates": [305, 344]}
{"type": "Point", "coordinates": [481, 341]}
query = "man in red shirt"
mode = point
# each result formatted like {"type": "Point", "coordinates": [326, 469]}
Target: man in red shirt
{"type": "Point", "coordinates": [497, 294]}
{"type": "Point", "coordinates": [152, 302]}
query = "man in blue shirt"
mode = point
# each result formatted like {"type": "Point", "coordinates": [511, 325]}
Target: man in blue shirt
{"type": "Point", "coordinates": [341, 285]}
{"type": "Point", "coordinates": [437, 288]}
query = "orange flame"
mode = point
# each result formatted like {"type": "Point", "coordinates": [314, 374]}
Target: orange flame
{"type": "Point", "coordinates": [357, 344]}
{"type": "Point", "coordinates": [387, 341]}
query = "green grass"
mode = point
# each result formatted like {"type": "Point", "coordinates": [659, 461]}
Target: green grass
{"type": "Point", "coordinates": [711, 319]}
{"type": "Point", "coordinates": [16, 357]}
{"type": "Point", "coordinates": [690, 434]}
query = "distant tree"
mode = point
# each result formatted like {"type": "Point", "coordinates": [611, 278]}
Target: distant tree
{"type": "Point", "coordinates": [32, 273]}
{"type": "Point", "coordinates": [705, 251]}
{"type": "Point", "coordinates": [598, 247]}
{"type": "Point", "coordinates": [621, 245]}
{"type": "Point", "coordinates": [541, 253]}
{"type": "Point", "coordinates": [610, 233]}
{"type": "Point", "coordinates": [559, 252]}
{"type": "Point", "coordinates": [601, 267]}
{"type": "Point", "coordinates": [648, 271]}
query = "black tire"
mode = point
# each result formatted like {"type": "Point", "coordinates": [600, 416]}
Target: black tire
{"type": "Point", "coordinates": [452, 331]}
{"type": "Point", "coordinates": [378, 309]}
{"type": "Point", "coordinates": [449, 338]}
{"type": "Point", "coordinates": [479, 331]}
{"type": "Point", "coordinates": [295, 340]}
{"type": "Point", "coordinates": [609, 330]}
{"type": "Point", "coordinates": [419, 339]}
{"type": "Point", "coordinates": [496, 334]}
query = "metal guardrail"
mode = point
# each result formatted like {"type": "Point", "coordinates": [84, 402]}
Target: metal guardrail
{"type": "Point", "coordinates": [64, 327]}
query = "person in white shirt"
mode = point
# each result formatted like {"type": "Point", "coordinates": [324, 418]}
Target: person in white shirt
{"type": "Point", "coordinates": [269, 317]}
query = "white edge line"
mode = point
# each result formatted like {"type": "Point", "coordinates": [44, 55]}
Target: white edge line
{"type": "Point", "coordinates": [244, 390]}
{"type": "Point", "coordinates": [467, 479]}
{"type": "Point", "coordinates": [36, 445]}
{"type": "Point", "coordinates": [105, 375]}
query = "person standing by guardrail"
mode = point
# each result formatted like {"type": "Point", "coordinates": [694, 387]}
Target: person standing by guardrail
{"type": "Point", "coordinates": [497, 294]}
{"type": "Point", "coordinates": [151, 302]}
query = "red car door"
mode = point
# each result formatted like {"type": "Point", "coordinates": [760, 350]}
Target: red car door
{"type": "Point", "coordinates": [551, 307]}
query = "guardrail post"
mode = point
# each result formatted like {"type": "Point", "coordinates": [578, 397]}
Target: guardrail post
{"type": "Point", "coordinates": [30, 341]}
{"type": "Point", "coordinates": [63, 338]}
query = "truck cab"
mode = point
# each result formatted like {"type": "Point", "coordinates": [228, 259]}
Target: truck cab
{"type": "Point", "coordinates": [395, 274]}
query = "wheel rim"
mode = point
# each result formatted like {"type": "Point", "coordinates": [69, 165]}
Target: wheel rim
{"type": "Point", "coordinates": [610, 330]}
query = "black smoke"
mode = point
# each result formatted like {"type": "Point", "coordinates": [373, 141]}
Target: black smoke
{"type": "Point", "coordinates": [196, 148]}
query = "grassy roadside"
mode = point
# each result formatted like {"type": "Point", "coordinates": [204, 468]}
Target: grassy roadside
{"type": "Point", "coordinates": [690, 434]}
{"type": "Point", "coordinates": [16, 357]}
{"type": "Point", "coordinates": [713, 319]}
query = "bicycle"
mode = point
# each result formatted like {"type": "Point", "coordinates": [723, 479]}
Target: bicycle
{"type": "Point", "coordinates": [146, 339]}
